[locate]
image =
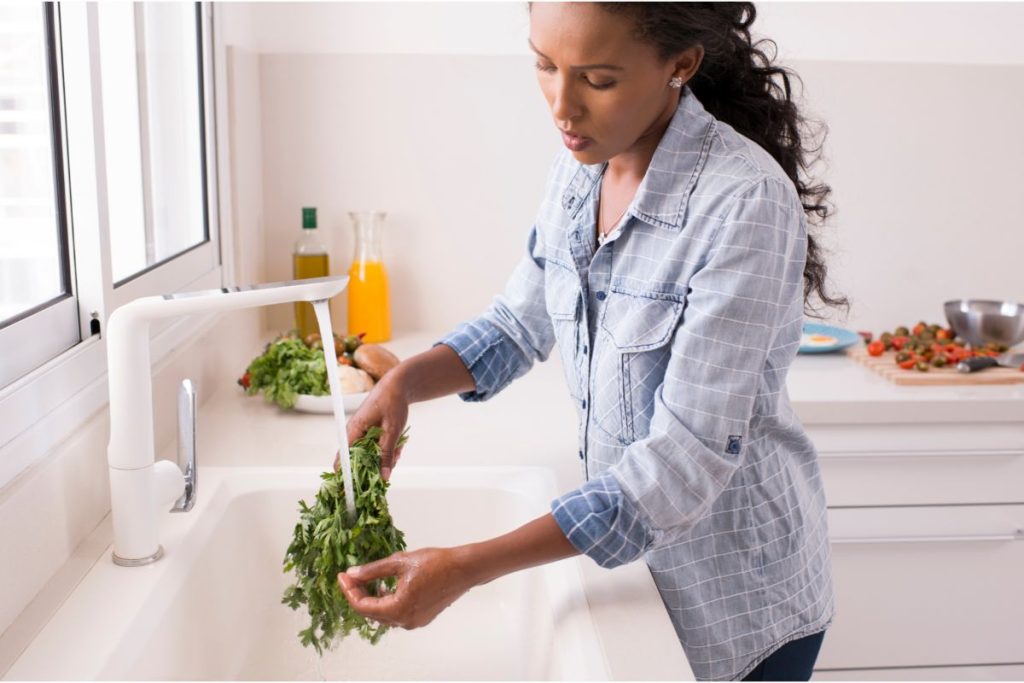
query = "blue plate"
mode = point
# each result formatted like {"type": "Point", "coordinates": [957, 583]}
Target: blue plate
{"type": "Point", "coordinates": [843, 337]}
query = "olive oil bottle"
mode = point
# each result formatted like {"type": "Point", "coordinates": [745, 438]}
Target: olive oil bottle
{"type": "Point", "coordinates": [308, 260]}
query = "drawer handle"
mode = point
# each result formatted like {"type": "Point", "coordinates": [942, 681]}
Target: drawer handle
{"type": "Point", "coordinates": [1017, 535]}
{"type": "Point", "coordinates": [922, 454]}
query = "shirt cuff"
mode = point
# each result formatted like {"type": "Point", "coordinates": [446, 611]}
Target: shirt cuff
{"type": "Point", "coordinates": [491, 357]}
{"type": "Point", "coordinates": [601, 522]}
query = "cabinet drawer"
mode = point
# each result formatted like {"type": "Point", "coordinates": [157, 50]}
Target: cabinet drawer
{"type": "Point", "coordinates": [1012, 672]}
{"type": "Point", "coordinates": [926, 478]}
{"type": "Point", "coordinates": [926, 586]}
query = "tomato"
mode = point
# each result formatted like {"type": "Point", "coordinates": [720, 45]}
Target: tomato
{"type": "Point", "coordinates": [344, 360]}
{"type": "Point", "coordinates": [918, 329]}
{"type": "Point", "coordinates": [876, 348]}
{"type": "Point", "coordinates": [245, 381]}
{"type": "Point", "coordinates": [899, 342]}
{"type": "Point", "coordinates": [942, 335]}
{"type": "Point", "coordinates": [909, 364]}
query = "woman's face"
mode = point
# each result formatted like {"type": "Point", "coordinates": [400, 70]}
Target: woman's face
{"type": "Point", "coordinates": [601, 83]}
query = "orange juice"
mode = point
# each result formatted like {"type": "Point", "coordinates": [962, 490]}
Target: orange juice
{"type": "Point", "coordinates": [368, 308]}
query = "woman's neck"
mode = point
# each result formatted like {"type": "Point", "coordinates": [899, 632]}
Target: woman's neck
{"type": "Point", "coordinates": [631, 165]}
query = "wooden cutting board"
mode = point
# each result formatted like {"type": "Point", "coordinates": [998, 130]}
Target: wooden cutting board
{"type": "Point", "coordinates": [885, 365]}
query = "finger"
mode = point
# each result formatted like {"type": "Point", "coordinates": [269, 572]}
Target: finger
{"type": "Point", "coordinates": [387, 449]}
{"type": "Point", "coordinates": [384, 608]}
{"type": "Point", "coordinates": [354, 431]}
{"type": "Point", "coordinates": [351, 588]}
{"type": "Point", "coordinates": [381, 569]}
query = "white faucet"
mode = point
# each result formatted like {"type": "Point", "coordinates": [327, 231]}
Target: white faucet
{"type": "Point", "coordinates": [140, 487]}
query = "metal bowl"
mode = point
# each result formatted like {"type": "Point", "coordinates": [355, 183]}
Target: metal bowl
{"type": "Point", "coordinates": [982, 322]}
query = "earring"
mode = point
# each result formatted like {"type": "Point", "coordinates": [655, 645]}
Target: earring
{"type": "Point", "coordinates": [676, 82]}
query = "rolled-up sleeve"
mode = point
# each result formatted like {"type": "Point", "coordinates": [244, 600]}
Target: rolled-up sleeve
{"type": "Point", "coordinates": [514, 332]}
{"type": "Point", "coordinates": [750, 288]}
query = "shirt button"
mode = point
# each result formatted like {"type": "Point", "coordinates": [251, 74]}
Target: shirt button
{"type": "Point", "coordinates": [581, 455]}
{"type": "Point", "coordinates": [601, 296]}
{"type": "Point", "coordinates": [584, 349]}
{"type": "Point", "coordinates": [584, 404]}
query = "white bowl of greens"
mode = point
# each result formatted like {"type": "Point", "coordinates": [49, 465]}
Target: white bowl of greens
{"type": "Point", "coordinates": [291, 373]}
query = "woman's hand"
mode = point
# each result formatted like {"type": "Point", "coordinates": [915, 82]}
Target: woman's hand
{"type": "Point", "coordinates": [387, 405]}
{"type": "Point", "coordinates": [432, 578]}
{"type": "Point", "coordinates": [429, 580]}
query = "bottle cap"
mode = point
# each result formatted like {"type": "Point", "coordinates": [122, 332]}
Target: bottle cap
{"type": "Point", "coordinates": [308, 217]}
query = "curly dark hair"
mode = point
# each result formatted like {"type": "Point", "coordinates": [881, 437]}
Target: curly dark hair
{"type": "Point", "coordinates": [736, 83]}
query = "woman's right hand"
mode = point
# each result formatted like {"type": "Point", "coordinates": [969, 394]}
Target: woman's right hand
{"type": "Point", "coordinates": [386, 406]}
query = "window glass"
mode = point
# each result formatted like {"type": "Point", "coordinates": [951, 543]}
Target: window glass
{"type": "Point", "coordinates": [33, 262]}
{"type": "Point", "coordinates": [149, 53]}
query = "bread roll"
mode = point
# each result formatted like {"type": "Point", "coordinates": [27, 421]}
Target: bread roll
{"type": "Point", "coordinates": [353, 380]}
{"type": "Point", "coordinates": [375, 359]}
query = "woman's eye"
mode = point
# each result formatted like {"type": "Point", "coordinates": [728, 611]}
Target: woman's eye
{"type": "Point", "coordinates": [599, 86]}
{"type": "Point", "coordinates": [541, 67]}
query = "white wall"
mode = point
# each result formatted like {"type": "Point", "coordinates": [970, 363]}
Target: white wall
{"type": "Point", "coordinates": [445, 128]}
{"type": "Point", "coordinates": [909, 32]}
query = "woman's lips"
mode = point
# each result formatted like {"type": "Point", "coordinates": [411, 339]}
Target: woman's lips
{"type": "Point", "coordinates": [575, 142]}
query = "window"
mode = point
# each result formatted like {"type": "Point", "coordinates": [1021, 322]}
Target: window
{"type": "Point", "coordinates": [107, 181]}
{"type": "Point", "coordinates": [35, 274]}
{"type": "Point", "coordinates": [152, 115]}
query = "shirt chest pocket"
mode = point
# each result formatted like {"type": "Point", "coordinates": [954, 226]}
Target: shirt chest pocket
{"type": "Point", "coordinates": [637, 331]}
{"type": "Point", "coordinates": [562, 301]}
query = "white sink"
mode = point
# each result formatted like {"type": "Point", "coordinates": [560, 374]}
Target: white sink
{"type": "Point", "coordinates": [211, 608]}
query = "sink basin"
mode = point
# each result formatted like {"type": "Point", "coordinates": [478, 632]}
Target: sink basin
{"type": "Point", "coordinates": [211, 608]}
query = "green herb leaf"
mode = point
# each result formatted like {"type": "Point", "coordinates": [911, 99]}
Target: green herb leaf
{"type": "Point", "coordinates": [286, 369]}
{"type": "Point", "coordinates": [326, 542]}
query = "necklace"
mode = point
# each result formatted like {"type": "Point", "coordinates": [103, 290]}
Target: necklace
{"type": "Point", "coordinates": [603, 235]}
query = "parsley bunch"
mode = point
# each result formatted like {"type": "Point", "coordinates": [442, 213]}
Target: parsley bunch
{"type": "Point", "coordinates": [326, 542]}
{"type": "Point", "coordinates": [286, 369]}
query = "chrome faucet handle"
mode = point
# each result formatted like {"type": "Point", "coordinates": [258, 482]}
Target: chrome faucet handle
{"type": "Point", "coordinates": [187, 445]}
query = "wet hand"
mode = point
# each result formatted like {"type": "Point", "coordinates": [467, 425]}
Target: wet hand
{"type": "Point", "coordinates": [386, 406]}
{"type": "Point", "coordinates": [429, 580]}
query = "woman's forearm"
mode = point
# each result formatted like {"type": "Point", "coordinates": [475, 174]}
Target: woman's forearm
{"type": "Point", "coordinates": [432, 374]}
{"type": "Point", "coordinates": [535, 543]}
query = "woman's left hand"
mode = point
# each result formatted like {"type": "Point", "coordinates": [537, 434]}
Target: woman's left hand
{"type": "Point", "coordinates": [429, 580]}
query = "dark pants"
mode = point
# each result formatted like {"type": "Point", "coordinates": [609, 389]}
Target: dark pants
{"type": "Point", "coordinates": [791, 662]}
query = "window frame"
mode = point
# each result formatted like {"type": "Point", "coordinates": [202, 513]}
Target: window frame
{"type": "Point", "coordinates": [53, 401]}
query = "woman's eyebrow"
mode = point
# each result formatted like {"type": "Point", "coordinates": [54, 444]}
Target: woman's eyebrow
{"type": "Point", "coordinates": [581, 67]}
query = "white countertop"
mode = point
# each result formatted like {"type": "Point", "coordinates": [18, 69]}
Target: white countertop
{"type": "Point", "coordinates": [831, 388]}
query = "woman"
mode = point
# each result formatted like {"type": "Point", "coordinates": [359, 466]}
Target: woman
{"type": "Point", "coordinates": [670, 263]}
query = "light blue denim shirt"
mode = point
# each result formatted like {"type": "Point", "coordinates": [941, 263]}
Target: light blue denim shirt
{"type": "Point", "coordinates": [676, 336]}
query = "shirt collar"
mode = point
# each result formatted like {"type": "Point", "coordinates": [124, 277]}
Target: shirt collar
{"type": "Point", "coordinates": [677, 162]}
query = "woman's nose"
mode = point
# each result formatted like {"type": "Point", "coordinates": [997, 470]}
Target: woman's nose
{"type": "Point", "coordinates": [564, 105]}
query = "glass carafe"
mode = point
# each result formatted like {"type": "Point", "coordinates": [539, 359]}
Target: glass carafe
{"type": "Point", "coordinates": [368, 306]}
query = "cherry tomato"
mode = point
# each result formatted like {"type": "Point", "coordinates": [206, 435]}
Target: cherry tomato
{"type": "Point", "coordinates": [909, 364]}
{"type": "Point", "coordinates": [899, 342]}
{"type": "Point", "coordinates": [876, 348]}
{"type": "Point", "coordinates": [245, 381]}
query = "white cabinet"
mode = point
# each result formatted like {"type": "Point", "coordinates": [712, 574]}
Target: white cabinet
{"type": "Point", "coordinates": [925, 488]}
{"type": "Point", "coordinates": [1012, 672]}
{"type": "Point", "coordinates": [926, 585]}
